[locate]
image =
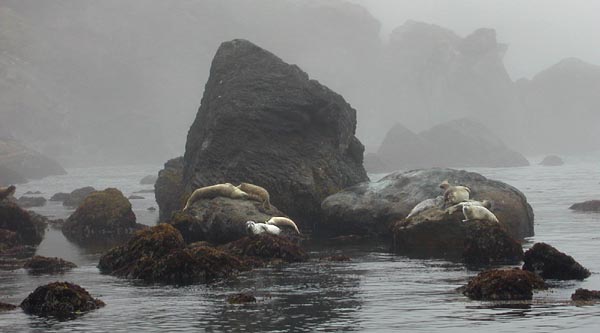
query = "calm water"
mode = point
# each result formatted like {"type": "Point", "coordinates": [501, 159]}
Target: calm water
{"type": "Point", "coordinates": [376, 291]}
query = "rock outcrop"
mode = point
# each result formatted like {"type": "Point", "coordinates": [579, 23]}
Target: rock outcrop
{"type": "Point", "coordinates": [503, 285]}
{"type": "Point", "coordinates": [148, 180]}
{"type": "Point", "coordinates": [7, 307]}
{"type": "Point", "coordinates": [267, 249]}
{"type": "Point", "coordinates": [550, 263]}
{"type": "Point", "coordinates": [27, 202]}
{"type": "Point", "coordinates": [372, 207]}
{"type": "Point", "coordinates": [458, 143]}
{"type": "Point", "coordinates": [60, 299]}
{"type": "Point", "coordinates": [168, 188]}
{"type": "Point", "coordinates": [46, 265]}
{"type": "Point", "coordinates": [26, 162]}
{"type": "Point", "coordinates": [587, 206]}
{"type": "Point", "coordinates": [28, 229]}
{"type": "Point", "coordinates": [103, 217]}
{"type": "Point", "coordinates": [220, 220]}
{"type": "Point", "coordinates": [75, 198]}
{"type": "Point", "coordinates": [265, 122]}
{"type": "Point", "coordinates": [552, 160]}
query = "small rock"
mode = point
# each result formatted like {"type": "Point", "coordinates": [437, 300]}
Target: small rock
{"type": "Point", "coordinates": [241, 298]}
{"type": "Point", "coordinates": [586, 295]}
{"type": "Point", "coordinates": [149, 180]}
{"type": "Point", "coordinates": [76, 197]}
{"type": "Point", "coordinates": [587, 206]}
{"type": "Point", "coordinates": [27, 202]}
{"type": "Point", "coordinates": [30, 192]}
{"type": "Point", "coordinates": [46, 265]}
{"type": "Point", "coordinates": [552, 160]}
{"type": "Point", "coordinates": [60, 299]}
{"type": "Point", "coordinates": [145, 191]}
{"type": "Point", "coordinates": [135, 197]}
{"type": "Point", "coordinates": [61, 196]}
{"type": "Point", "coordinates": [550, 263]}
{"type": "Point", "coordinates": [7, 307]}
{"type": "Point", "coordinates": [503, 284]}
{"type": "Point", "coordinates": [152, 209]}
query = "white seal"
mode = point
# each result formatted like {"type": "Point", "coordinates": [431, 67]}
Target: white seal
{"type": "Point", "coordinates": [472, 212]}
{"type": "Point", "coordinates": [426, 204]}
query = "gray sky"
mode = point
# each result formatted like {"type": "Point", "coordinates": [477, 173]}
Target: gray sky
{"type": "Point", "coordinates": [539, 32]}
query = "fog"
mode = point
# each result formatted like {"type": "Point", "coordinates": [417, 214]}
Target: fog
{"type": "Point", "coordinates": [90, 82]}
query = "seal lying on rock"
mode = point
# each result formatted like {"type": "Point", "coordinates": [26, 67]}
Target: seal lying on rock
{"type": "Point", "coordinates": [271, 226]}
{"type": "Point", "coordinates": [257, 193]}
{"type": "Point", "coordinates": [454, 194]}
{"type": "Point", "coordinates": [473, 212]}
{"type": "Point", "coordinates": [426, 204]}
{"type": "Point", "coordinates": [219, 190]}
{"type": "Point", "coordinates": [282, 221]}
{"type": "Point", "coordinates": [485, 203]}
{"type": "Point", "coordinates": [5, 192]}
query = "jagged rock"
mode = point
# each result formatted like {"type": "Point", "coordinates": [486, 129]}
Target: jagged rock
{"type": "Point", "coordinates": [103, 217]}
{"type": "Point", "coordinates": [552, 160]}
{"type": "Point", "coordinates": [149, 180]}
{"type": "Point", "coordinates": [241, 298]}
{"type": "Point", "coordinates": [46, 265]}
{"type": "Point", "coordinates": [550, 263]}
{"type": "Point", "coordinates": [29, 163]}
{"type": "Point", "coordinates": [267, 248]}
{"type": "Point", "coordinates": [77, 196]}
{"type": "Point", "coordinates": [438, 234]}
{"type": "Point", "coordinates": [265, 122]}
{"type": "Point", "coordinates": [372, 207]}
{"type": "Point", "coordinates": [60, 299]}
{"type": "Point", "coordinates": [503, 284]}
{"type": "Point", "coordinates": [220, 220]}
{"type": "Point", "coordinates": [169, 190]}
{"type": "Point", "coordinates": [585, 295]}
{"type": "Point", "coordinates": [27, 202]}
{"type": "Point", "coordinates": [159, 255]}
{"type": "Point", "coordinates": [587, 206]}
{"type": "Point", "coordinates": [28, 227]}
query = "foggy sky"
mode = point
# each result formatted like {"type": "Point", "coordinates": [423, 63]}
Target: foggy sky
{"type": "Point", "coordinates": [539, 32]}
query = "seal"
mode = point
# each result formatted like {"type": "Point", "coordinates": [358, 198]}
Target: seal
{"type": "Point", "coordinates": [257, 193]}
{"type": "Point", "coordinates": [219, 190]}
{"type": "Point", "coordinates": [283, 221]}
{"type": "Point", "coordinates": [254, 228]}
{"type": "Point", "coordinates": [454, 194]}
{"type": "Point", "coordinates": [485, 203]}
{"type": "Point", "coordinates": [5, 192]}
{"type": "Point", "coordinates": [473, 212]}
{"type": "Point", "coordinates": [426, 204]}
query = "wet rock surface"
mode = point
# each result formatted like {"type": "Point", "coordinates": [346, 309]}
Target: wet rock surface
{"type": "Point", "coordinates": [267, 248]}
{"type": "Point", "coordinates": [103, 217]}
{"type": "Point", "coordinates": [587, 206]}
{"type": "Point", "coordinates": [373, 207]}
{"type": "Point", "coordinates": [168, 189]}
{"type": "Point", "coordinates": [264, 122]}
{"type": "Point", "coordinates": [45, 265]}
{"type": "Point", "coordinates": [549, 263]}
{"type": "Point", "coordinates": [503, 284]}
{"type": "Point", "coordinates": [60, 299]}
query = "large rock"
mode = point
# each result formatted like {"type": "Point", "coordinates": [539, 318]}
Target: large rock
{"type": "Point", "coordinates": [47, 265]}
{"type": "Point", "coordinates": [550, 263]}
{"type": "Point", "coordinates": [265, 122]}
{"type": "Point", "coordinates": [159, 255]}
{"type": "Point", "coordinates": [587, 206]}
{"type": "Point", "coordinates": [168, 188]}
{"type": "Point", "coordinates": [439, 234]}
{"type": "Point", "coordinates": [60, 299]}
{"type": "Point", "coordinates": [552, 160]}
{"type": "Point", "coordinates": [503, 285]}
{"type": "Point", "coordinates": [28, 227]}
{"type": "Point", "coordinates": [220, 220]}
{"type": "Point", "coordinates": [103, 217]}
{"type": "Point", "coordinates": [75, 198]}
{"type": "Point", "coordinates": [458, 143]}
{"type": "Point", "coordinates": [28, 163]}
{"type": "Point", "coordinates": [372, 207]}
{"type": "Point", "coordinates": [267, 248]}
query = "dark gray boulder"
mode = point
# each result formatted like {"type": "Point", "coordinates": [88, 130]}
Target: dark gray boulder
{"type": "Point", "coordinates": [587, 206]}
{"type": "Point", "coordinates": [168, 189]}
{"type": "Point", "coordinates": [550, 263]}
{"type": "Point", "coordinates": [263, 121]}
{"type": "Point", "coordinates": [372, 207]}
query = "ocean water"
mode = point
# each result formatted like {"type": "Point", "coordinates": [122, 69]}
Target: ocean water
{"type": "Point", "coordinates": [375, 291]}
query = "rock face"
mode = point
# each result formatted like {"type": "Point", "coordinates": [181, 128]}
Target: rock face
{"type": "Point", "coordinates": [265, 122]}
{"type": "Point", "coordinates": [27, 202]}
{"type": "Point", "coordinates": [60, 299]}
{"type": "Point", "coordinates": [103, 217]}
{"type": "Point", "coordinates": [26, 162]}
{"type": "Point", "coordinates": [29, 230]}
{"type": "Point", "coordinates": [552, 160]}
{"type": "Point", "coordinates": [159, 255]}
{"type": "Point", "coordinates": [587, 206]}
{"type": "Point", "coordinates": [220, 220]}
{"type": "Point", "coordinates": [372, 208]}
{"type": "Point", "coordinates": [585, 295]}
{"type": "Point", "coordinates": [458, 143]}
{"type": "Point", "coordinates": [435, 233]}
{"type": "Point", "coordinates": [45, 265]}
{"type": "Point", "coordinates": [76, 197]}
{"type": "Point", "coordinates": [550, 263]}
{"type": "Point", "coordinates": [503, 284]}
{"type": "Point", "coordinates": [168, 188]}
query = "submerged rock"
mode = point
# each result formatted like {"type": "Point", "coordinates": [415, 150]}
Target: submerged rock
{"type": "Point", "coordinates": [503, 284]}
{"type": "Point", "coordinates": [77, 196]}
{"type": "Point", "coordinates": [587, 206]}
{"type": "Point", "coordinates": [220, 220]}
{"type": "Point", "coordinates": [550, 263]}
{"type": "Point", "coordinates": [135, 197]}
{"type": "Point", "coordinates": [28, 228]}
{"type": "Point", "coordinates": [149, 180]}
{"type": "Point", "coordinates": [373, 207]}
{"type": "Point", "coordinates": [169, 190]}
{"type": "Point", "coordinates": [60, 299]}
{"type": "Point", "coordinates": [103, 217]}
{"type": "Point", "coordinates": [159, 255]}
{"type": "Point", "coordinates": [552, 160]}
{"type": "Point", "coordinates": [27, 202]}
{"type": "Point", "coordinates": [264, 122]}
{"type": "Point", "coordinates": [241, 298]}
{"type": "Point", "coordinates": [267, 248]}
{"type": "Point", "coordinates": [46, 265]}
{"type": "Point", "coordinates": [436, 233]}
{"type": "Point", "coordinates": [586, 295]}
